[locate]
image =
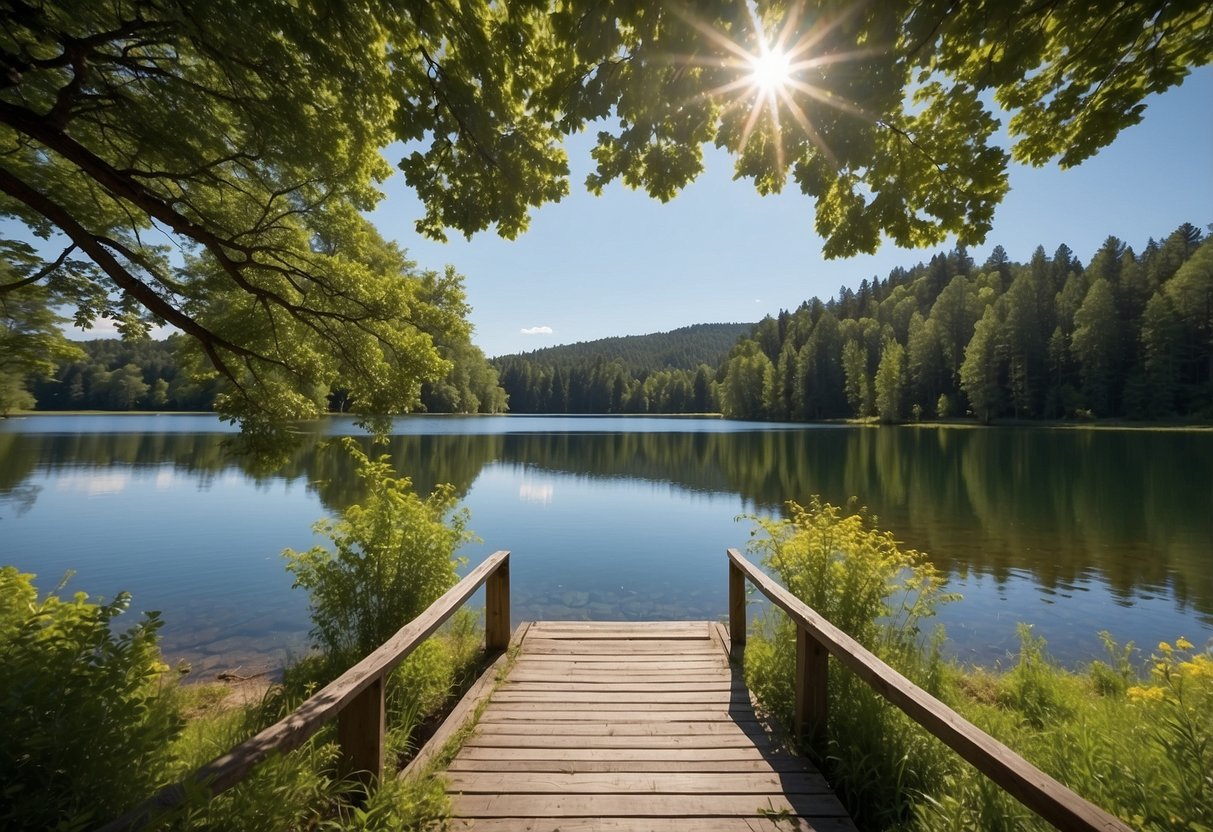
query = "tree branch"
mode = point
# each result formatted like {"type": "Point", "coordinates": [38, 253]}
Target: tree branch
{"type": "Point", "coordinates": [5, 288]}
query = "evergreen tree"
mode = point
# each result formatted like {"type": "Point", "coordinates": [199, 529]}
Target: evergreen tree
{"type": "Point", "coordinates": [890, 382]}
{"type": "Point", "coordinates": [979, 373]}
{"type": "Point", "coordinates": [1094, 347]}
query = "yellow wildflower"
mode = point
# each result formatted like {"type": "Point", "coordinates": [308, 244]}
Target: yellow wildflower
{"type": "Point", "coordinates": [1140, 693]}
{"type": "Point", "coordinates": [1200, 667]}
{"type": "Point", "coordinates": [1164, 648]}
{"type": "Point", "coordinates": [1182, 643]}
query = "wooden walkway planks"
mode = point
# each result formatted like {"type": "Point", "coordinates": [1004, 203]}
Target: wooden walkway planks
{"type": "Point", "coordinates": [627, 726]}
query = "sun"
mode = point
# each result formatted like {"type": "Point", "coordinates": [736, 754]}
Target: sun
{"type": "Point", "coordinates": [770, 70]}
{"type": "Point", "coordinates": [777, 73]}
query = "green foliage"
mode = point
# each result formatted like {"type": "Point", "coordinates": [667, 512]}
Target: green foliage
{"type": "Point", "coordinates": [1140, 748]}
{"type": "Point", "coordinates": [251, 138]}
{"type": "Point", "coordinates": [85, 732]}
{"type": "Point", "coordinates": [31, 341]}
{"type": "Point", "coordinates": [858, 577]}
{"type": "Point", "coordinates": [890, 382]}
{"type": "Point", "coordinates": [1045, 339]}
{"type": "Point", "coordinates": [391, 557]}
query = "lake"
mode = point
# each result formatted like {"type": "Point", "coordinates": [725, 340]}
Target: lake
{"type": "Point", "coordinates": [1072, 531]}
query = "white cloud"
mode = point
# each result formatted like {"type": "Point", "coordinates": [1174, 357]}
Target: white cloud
{"type": "Point", "coordinates": [536, 330]}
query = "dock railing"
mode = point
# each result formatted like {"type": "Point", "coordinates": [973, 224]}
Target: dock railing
{"type": "Point", "coordinates": [355, 699]}
{"type": "Point", "coordinates": [817, 639]}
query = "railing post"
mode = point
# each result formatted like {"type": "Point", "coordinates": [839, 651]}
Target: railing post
{"type": "Point", "coordinates": [737, 622]}
{"type": "Point", "coordinates": [812, 686]}
{"type": "Point", "coordinates": [497, 608]}
{"type": "Point", "coordinates": [360, 730]}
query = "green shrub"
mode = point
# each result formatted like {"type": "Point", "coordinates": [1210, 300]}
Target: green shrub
{"type": "Point", "coordinates": [391, 558]}
{"type": "Point", "coordinates": [85, 734]}
{"type": "Point", "coordinates": [1140, 748]}
{"type": "Point", "coordinates": [864, 583]}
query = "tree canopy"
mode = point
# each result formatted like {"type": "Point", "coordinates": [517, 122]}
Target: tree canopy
{"type": "Point", "coordinates": [208, 166]}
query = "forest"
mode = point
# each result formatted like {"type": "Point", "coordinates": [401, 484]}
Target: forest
{"type": "Point", "coordinates": [666, 372]}
{"type": "Point", "coordinates": [1127, 335]}
{"type": "Point", "coordinates": [144, 374]}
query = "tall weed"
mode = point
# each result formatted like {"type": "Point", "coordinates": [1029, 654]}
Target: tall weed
{"type": "Point", "coordinates": [860, 579]}
{"type": "Point", "coordinates": [1142, 748]}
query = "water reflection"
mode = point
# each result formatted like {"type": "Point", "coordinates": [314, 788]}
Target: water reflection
{"type": "Point", "coordinates": [1038, 518]}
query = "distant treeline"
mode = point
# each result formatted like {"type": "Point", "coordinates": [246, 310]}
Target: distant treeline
{"type": "Point", "coordinates": [144, 375]}
{"type": "Point", "coordinates": [667, 372]}
{"type": "Point", "coordinates": [124, 375]}
{"type": "Point", "coordinates": [1127, 335]}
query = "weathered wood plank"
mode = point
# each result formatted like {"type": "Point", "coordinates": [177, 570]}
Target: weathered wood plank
{"type": "Point", "coordinates": [497, 609]}
{"type": "Point", "coordinates": [638, 660]}
{"type": "Point", "coordinates": [709, 685]}
{"type": "Point", "coordinates": [657, 824]}
{"type": "Point", "coordinates": [644, 805]}
{"type": "Point", "coordinates": [673, 783]}
{"type": "Point", "coordinates": [618, 677]}
{"type": "Point", "coordinates": [575, 752]}
{"type": "Point", "coordinates": [621, 713]}
{"type": "Point", "coordinates": [625, 647]}
{"type": "Point", "coordinates": [690, 765]}
{"type": "Point", "coordinates": [656, 666]}
{"type": "Point", "coordinates": [750, 729]}
{"type": "Point", "coordinates": [583, 630]}
{"type": "Point", "coordinates": [360, 733]}
{"type": "Point", "coordinates": [551, 741]}
{"type": "Point", "coordinates": [608, 697]}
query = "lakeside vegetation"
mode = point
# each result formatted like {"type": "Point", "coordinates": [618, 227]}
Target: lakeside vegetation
{"type": "Point", "coordinates": [1138, 745]}
{"type": "Point", "coordinates": [1137, 740]}
{"type": "Point", "coordinates": [100, 721]}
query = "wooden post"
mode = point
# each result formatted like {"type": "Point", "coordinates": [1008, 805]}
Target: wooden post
{"type": "Point", "coordinates": [812, 686]}
{"type": "Point", "coordinates": [737, 622]}
{"type": "Point", "coordinates": [497, 609]}
{"type": "Point", "coordinates": [360, 730]}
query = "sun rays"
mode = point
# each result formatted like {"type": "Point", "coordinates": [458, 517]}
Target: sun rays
{"type": "Point", "coordinates": [778, 75]}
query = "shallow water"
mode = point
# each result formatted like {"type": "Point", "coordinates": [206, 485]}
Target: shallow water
{"type": "Point", "coordinates": [1073, 531]}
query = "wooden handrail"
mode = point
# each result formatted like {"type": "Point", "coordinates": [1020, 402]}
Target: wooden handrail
{"type": "Point", "coordinates": [816, 638]}
{"type": "Point", "coordinates": [355, 698]}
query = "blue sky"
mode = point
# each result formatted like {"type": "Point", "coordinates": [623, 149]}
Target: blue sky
{"type": "Point", "coordinates": [622, 264]}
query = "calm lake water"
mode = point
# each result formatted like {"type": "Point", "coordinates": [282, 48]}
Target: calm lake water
{"type": "Point", "coordinates": [1073, 531]}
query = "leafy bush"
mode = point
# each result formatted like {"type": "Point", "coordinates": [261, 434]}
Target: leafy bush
{"type": "Point", "coordinates": [1140, 748]}
{"type": "Point", "coordinates": [85, 733]}
{"type": "Point", "coordinates": [864, 583]}
{"type": "Point", "coordinates": [392, 557]}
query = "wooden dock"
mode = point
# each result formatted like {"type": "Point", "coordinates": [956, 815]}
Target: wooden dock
{"type": "Point", "coordinates": [622, 726]}
{"type": "Point", "coordinates": [630, 726]}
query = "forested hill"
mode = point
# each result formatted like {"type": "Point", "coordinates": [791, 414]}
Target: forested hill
{"type": "Point", "coordinates": [679, 349]}
{"type": "Point", "coordinates": [1128, 334]}
{"type": "Point", "coordinates": [661, 372]}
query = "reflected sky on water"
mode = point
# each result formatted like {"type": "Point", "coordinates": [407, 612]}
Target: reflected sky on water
{"type": "Point", "coordinates": [1073, 531]}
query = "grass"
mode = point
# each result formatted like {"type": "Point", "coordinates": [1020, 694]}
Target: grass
{"type": "Point", "coordinates": [1140, 746]}
{"type": "Point", "coordinates": [303, 790]}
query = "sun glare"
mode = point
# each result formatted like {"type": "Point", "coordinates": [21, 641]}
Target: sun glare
{"type": "Point", "coordinates": [783, 78]}
{"type": "Point", "coordinates": [771, 71]}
